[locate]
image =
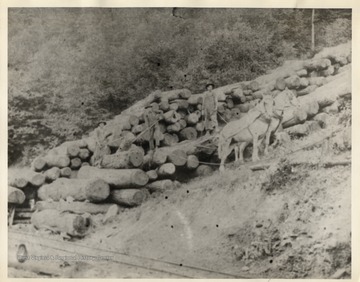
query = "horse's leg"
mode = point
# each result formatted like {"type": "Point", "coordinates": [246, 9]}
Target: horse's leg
{"type": "Point", "coordinates": [255, 155]}
{"type": "Point", "coordinates": [272, 126]}
{"type": "Point", "coordinates": [225, 151]}
{"type": "Point", "coordinates": [242, 147]}
{"type": "Point", "coordinates": [236, 151]}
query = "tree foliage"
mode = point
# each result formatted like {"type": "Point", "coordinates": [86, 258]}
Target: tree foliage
{"type": "Point", "coordinates": [71, 67]}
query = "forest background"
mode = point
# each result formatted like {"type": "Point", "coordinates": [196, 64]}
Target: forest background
{"type": "Point", "coordinates": [69, 68]}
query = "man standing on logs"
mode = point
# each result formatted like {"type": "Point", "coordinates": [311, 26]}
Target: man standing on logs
{"type": "Point", "coordinates": [101, 148]}
{"type": "Point", "coordinates": [209, 110]}
{"type": "Point", "coordinates": [151, 118]}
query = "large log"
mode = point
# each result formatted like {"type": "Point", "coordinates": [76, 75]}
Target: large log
{"type": "Point", "coordinates": [195, 99]}
{"type": "Point", "coordinates": [192, 119]}
{"type": "Point", "coordinates": [200, 126]}
{"type": "Point", "coordinates": [203, 170]}
{"type": "Point", "coordinates": [38, 164]}
{"type": "Point", "coordinates": [66, 171]}
{"type": "Point", "coordinates": [244, 108]}
{"type": "Point", "coordinates": [307, 90]}
{"type": "Point", "coordinates": [169, 139]}
{"type": "Point", "coordinates": [35, 179]}
{"type": "Point", "coordinates": [229, 103]}
{"type": "Point", "coordinates": [317, 64]}
{"type": "Point", "coordinates": [15, 196]}
{"type": "Point", "coordinates": [164, 106]}
{"type": "Point", "coordinates": [280, 84]}
{"type": "Point", "coordinates": [173, 94]}
{"type": "Point", "coordinates": [75, 163]}
{"type": "Point", "coordinates": [128, 159]}
{"type": "Point", "coordinates": [182, 104]}
{"type": "Point", "coordinates": [18, 181]}
{"type": "Point", "coordinates": [133, 120]}
{"type": "Point", "coordinates": [236, 113]}
{"type": "Point", "coordinates": [253, 85]}
{"type": "Point", "coordinates": [160, 185]}
{"type": "Point", "coordinates": [292, 82]}
{"type": "Point", "coordinates": [173, 107]}
{"type": "Point", "coordinates": [192, 162]}
{"type": "Point", "coordinates": [293, 116]}
{"type": "Point", "coordinates": [182, 123]}
{"type": "Point", "coordinates": [117, 178]}
{"type": "Point", "coordinates": [94, 190]}
{"type": "Point", "coordinates": [75, 207]}
{"type": "Point", "coordinates": [178, 157]}
{"type": "Point", "coordinates": [152, 174]}
{"type": "Point", "coordinates": [138, 128]}
{"type": "Point", "coordinates": [52, 174]}
{"type": "Point", "coordinates": [57, 160]}
{"type": "Point", "coordinates": [302, 73]}
{"type": "Point", "coordinates": [329, 93]}
{"type": "Point", "coordinates": [173, 128]}
{"type": "Point", "coordinates": [166, 170]}
{"type": "Point", "coordinates": [327, 72]}
{"type": "Point", "coordinates": [73, 150]}
{"type": "Point", "coordinates": [84, 154]}
{"type": "Point", "coordinates": [318, 81]}
{"type": "Point", "coordinates": [129, 197]}
{"type": "Point", "coordinates": [171, 117]}
{"type": "Point", "coordinates": [188, 133]}
{"type": "Point", "coordinates": [298, 130]}
{"type": "Point", "coordinates": [69, 223]}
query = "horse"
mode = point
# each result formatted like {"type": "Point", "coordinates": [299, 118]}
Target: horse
{"type": "Point", "coordinates": [264, 119]}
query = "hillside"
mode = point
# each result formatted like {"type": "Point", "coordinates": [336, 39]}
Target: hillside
{"type": "Point", "coordinates": [285, 216]}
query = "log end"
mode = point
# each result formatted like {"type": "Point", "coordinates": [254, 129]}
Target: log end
{"type": "Point", "coordinates": [97, 190]}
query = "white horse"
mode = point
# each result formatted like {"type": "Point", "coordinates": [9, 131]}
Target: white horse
{"type": "Point", "coordinates": [260, 122]}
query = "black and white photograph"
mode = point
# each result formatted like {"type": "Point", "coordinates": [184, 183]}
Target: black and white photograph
{"type": "Point", "coordinates": [179, 142]}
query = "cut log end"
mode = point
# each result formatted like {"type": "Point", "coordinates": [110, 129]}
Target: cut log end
{"type": "Point", "coordinates": [97, 190]}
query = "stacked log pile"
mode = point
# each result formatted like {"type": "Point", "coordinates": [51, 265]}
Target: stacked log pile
{"type": "Point", "coordinates": [129, 171]}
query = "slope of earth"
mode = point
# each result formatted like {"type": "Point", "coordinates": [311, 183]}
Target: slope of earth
{"type": "Point", "coordinates": [287, 221]}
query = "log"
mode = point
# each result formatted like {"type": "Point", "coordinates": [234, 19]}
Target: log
{"type": "Point", "coordinates": [173, 106]}
{"type": "Point", "coordinates": [18, 181]}
{"type": "Point", "coordinates": [38, 164]}
{"type": "Point", "coordinates": [188, 133]}
{"type": "Point", "coordinates": [129, 197]}
{"type": "Point", "coordinates": [173, 94]}
{"type": "Point", "coordinates": [298, 130]}
{"type": "Point", "coordinates": [307, 90]}
{"type": "Point", "coordinates": [160, 185]}
{"type": "Point", "coordinates": [318, 81]}
{"type": "Point", "coordinates": [75, 163]}
{"type": "Point", "coordinates": [117, 178]}
{"type": "Point", "coordinates": [166, 170]}
{"type": "Point", "coordinates": [15, 196]}
{"type": "Point", "coordinates": [192, 162]}
{"type": "Point", "coordinates": [332, 109]}
{"type": "Point", "coordinates": [221, 108]}
{"type": "Point", "coordinates": [292, 82]}
{"type": "Point", "coordinates": [133, 120]}
{"type": "Point", "coordinates": [247, 92]}
{"type": "Point", "coordinates": [259, 94]}
{"type": "Point", "coordinates": [200, 126]}
{"type": "Point", "coordinates": [311, 108]}
{"type": "Point", "coordinates": [182, 123]}
{"type": "Point", "coordinates": [203, 170]}
{"type": "Point", "coordinates": [342, 60]}
{"type": "Point", "coordinates": [164, 106]}
{"type": "Point", "coordinates": [229, 103]}
{"type": "Point", "coordinates": [127, 159]}
{"type": "Point", "coordinates": [123, 141]}
{"type": "Point", "coordinates": [84, 154]}
{"type": "Point", "coordinates": [169, 139]}
{"type": "Point", "coordinates": [73, 150]}
{"type": "Point", "coordinates": [138, 128]}
{"type": "Point", "coordinates": [182, 104]}
{"type": "Point", "coordinates": [173, 128]}
{"type": "Point", "coordinates": [75, 207]}
{"type": "Point", "coordinates": [36, 179]}
{"type": "Point", "coordinates": [317, 64]}
{"type": "Point", "coordinates": [69, 223]}
{"type": "Point", "coordinates": [177, 157]}
{"type": "Point", "coordinates": [57, 160]}
{"type": "Point", "coordinates": [329, 93]}
{"type": "Point", "coordinates": [192, 119]}
{"type": "Point", "coordinates": [253, 85]}
{"type": "Point", "coordinates": [227, 115]}
{"type": "Point", "coordinates": [66, 171]}
{"type": "Point", "coordinates": [280, 84]}
{"type": "Point", "coordinates": [94, 190]}
{"type": "Point", "coordinates": [199, 107]}
{"type": "Point", "coordinates": [52, 174]}
{"type": "Point", "coordinates": [159, 157]}
{"type": "Point", "coordinates": [152, 174]}
{"type": "Point", "coordinates": [236, 113]}
{"type": "Point", "coordinates": [195, 99]}
{"type": "Point", "coordinates": [155, 106]}
{"type": "Point", "coordinates": [244, 108]}
{"type": "Point", "coordinates": [293, 116]}
{"type": "Point", "coordinates": [171, 117]}
{"type": "Point", "coordinates": [302, 73]}
{"type": "Point", "coordinates": [238, 95]}
{"type": "Point", "coordinates": [85, 164]}
{"type": "Point", "coordinates": [327, 72]}
{"type": "Point", "coordinates": [323, 119]}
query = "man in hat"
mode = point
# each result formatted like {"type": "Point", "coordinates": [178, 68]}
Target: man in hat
{"type": "Point", "coordinates": [101, 147]}
{"type": "Point", "coordinates": [151, 118]}
{"type": "Point", "coordinates": [209, 109]}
